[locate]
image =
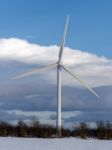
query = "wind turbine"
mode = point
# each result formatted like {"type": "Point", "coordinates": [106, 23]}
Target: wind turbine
{"type": "Point", "coordinates": [59, 67]}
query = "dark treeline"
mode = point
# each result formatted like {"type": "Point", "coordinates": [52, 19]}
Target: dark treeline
{"type": "Point", "coordinates": [103, 130]}
{"type": "Point", "coordinates": [30, 129]}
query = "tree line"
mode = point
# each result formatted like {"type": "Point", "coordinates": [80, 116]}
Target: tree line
{"type": "Point", "coordinates": [103, 130]}
{"type": "Point", "coordinates": [34, 128]}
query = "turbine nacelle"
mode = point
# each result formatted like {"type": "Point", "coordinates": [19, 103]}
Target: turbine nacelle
{"type": "Point", "coordinates": [59, 63]}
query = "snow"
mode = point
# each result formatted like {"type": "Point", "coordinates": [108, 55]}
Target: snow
{"type": "Point", "coordinates": [9, 143]}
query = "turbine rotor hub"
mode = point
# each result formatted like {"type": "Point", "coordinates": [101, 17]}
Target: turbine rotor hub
{"type": "Point", "coordinates": [59, 64]}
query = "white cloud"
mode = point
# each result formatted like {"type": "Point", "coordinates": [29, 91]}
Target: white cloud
{"type": "Point", "coordinates": [43, 116]}
{"type": "Point", "coordinates": [95, 70]}
{"type": "Point", "coordinates": [32, 96]}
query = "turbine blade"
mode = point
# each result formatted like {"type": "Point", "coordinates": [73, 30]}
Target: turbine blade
{"type": "Point", "coordinates": [63, 39]}
{"type": "Point", "coordinates": [35, 71]}
{"type": "Point", "coordinates": [80, 80]}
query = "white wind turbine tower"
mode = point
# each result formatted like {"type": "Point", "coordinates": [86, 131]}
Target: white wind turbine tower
{"type": "Point", "coordinates": [59, 67]}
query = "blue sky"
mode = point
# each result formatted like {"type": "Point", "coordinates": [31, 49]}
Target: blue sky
{"type": "Point", "coordinates": [42, 22]}
{"type": "Point", "coordinates": [30, 35]}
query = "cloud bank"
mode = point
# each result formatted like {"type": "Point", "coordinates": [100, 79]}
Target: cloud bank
{"type": "Point", "coordinates": [38, 93]}
{"type": "Point", "coordinates": [96, 70]}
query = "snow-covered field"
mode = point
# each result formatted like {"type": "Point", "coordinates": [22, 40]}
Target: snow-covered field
{"type": "Point", "coordinates": [8, 143]}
